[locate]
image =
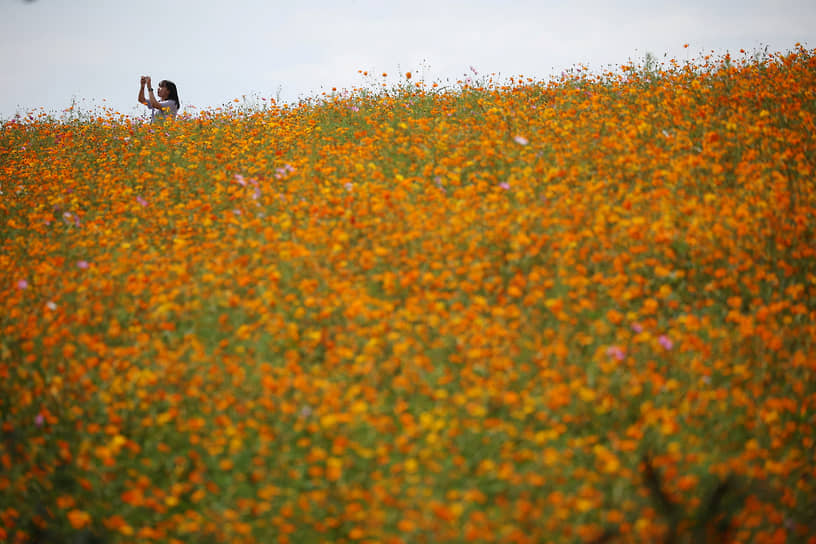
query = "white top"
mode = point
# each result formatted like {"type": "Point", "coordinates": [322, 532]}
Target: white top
{"type": "Point", "coordinates": [168, 109]}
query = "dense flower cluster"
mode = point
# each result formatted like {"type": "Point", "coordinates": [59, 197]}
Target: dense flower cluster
{"type": "Point", "coordinates": [418, 315]}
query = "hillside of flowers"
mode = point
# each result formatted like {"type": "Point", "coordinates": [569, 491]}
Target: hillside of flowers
{"type": "Point", "coordinates": [574, 310]}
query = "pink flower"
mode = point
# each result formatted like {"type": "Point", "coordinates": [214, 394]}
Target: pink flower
{"type": "Point", "coordinates": [521, 140]}
{"type": "Point", "coordinates": [666, 342]}
{"type": "Point", "coordinates": [240, 180]}
{"type": "Point", "coordinates": [637, 327]}
{"type": "Point", "coordinates": [141, 201]}
{"type": "Point", "coordinates": [284, 171]}
{"type": "Point", "coordinates": [504, 185]}
{"type": "Point", "coordinates": [22, 284]}
{"type": "Point", "coordinates": [67, 216]}
{"type": "Point", "coordinates": [39, 420]}
{"type": "Point", "coordinates": [615, 352]}
{"type": "Point", "coordinates": [83, 264]}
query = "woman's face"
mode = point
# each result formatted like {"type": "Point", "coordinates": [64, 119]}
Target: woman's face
{"type": "Point", "coordinates": [163, 91]}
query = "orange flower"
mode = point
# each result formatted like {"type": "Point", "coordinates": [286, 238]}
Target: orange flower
{"type": "Point", "coordinates": [79, 518]}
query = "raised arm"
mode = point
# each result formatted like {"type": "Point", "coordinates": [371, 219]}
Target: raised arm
{"type": "Point", "coordinates": [151, 98]}
{"type": "Point", "coordinates": [141, 98]}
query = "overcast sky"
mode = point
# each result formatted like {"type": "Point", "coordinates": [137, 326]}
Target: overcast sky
{"type": "Point", "coordinates": [93, 51]}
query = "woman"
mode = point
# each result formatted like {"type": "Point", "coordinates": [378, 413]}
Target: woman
{"type": "Point", "coordinates": [168, 103]}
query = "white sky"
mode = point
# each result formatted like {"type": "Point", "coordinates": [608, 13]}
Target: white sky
{"type": "Point", "coordinates": [93, 51]}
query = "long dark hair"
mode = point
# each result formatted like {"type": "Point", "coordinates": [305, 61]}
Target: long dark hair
{"type": "Point", "coordinates": [173, 91]}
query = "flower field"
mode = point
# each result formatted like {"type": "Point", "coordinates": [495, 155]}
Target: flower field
{"type": "Point", "coordinates": [573, 310]}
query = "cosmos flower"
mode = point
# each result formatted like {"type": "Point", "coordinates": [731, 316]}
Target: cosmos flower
{"type": "Point", "coordinates": [616, 352]}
